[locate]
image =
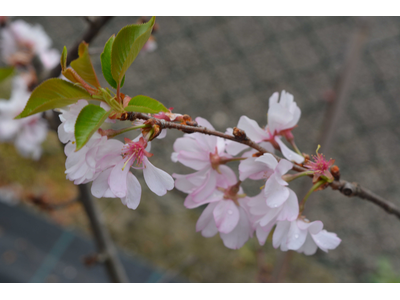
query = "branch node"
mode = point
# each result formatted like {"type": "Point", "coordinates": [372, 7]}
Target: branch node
{"type": "Point", "coordinates": [239, 134]}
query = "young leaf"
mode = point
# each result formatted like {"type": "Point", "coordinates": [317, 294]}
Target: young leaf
{"type": "Point", "coordinates": [105, 58]}
{"type": "Point", "coordinates": [63, 59]}
{"type": "Point", "coordinates": [53, 93]}
{"type": "Point", "coordinates": [89, 120]}
{"type": "Point", "coordinates": [145, 104]}
{"type": "Point", "coordinates": [127, 45]}
{"type": "Point", "coordinates": [84, 67]}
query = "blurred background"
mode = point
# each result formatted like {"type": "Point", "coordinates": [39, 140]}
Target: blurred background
{"type": "Point", "coordinates": [221, 68]}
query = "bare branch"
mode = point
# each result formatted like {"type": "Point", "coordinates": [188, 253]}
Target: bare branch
{"type": "Point", "coordinates": [355, 190]}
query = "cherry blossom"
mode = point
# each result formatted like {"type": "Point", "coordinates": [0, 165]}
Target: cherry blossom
{"type": "Point", "coordinates": [303, 236]}
{"type": "Point", "coordinates": [68, 116]}
{"type": "Point", "coordinates": [227, 214]}
{"type": "Point", "coordinates": [21, 41]}
{"type": "Point", "coordinates": [117, 182]}
{"type": "Point", "coordinates": [282, 118]}
{"type": "Point", "coordinates": [27, 134]}
{"type": "Point", "coordinates": [264, 217]}
{"type": "Point", "coordinates": [203, 153]}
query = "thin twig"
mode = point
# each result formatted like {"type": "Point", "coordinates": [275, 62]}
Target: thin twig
{"type": "Point", "coordinates": [89, 34]}
{"type": "Point", "coordinates": [355, 190]}
{"type": "Point", "coordinates": [343, 84]}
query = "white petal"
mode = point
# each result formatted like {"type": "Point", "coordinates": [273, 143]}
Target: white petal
{"type": "Point", "coordinates": [262, 234]}
{"type": "Point", "coordinates": [273, 99]}
{"type": "Point", "coordinates": [234, 148]}
{"type": "Point", "coordinates": [252, 130]}
{"type": "Point", "coordinates": [240, 234]}
{"type": "Point", "coordinates": [117, 179]}
{"type": "Point", "coordinates": [227, 176]}
{"type": "Point", "coordinates": [289, 154]}
{"type": "Point", "coordinates": [309, 247]}
{"type": "Point", "coordinates": [290, 209]}
{"type": "Point", "coordinates": [207, 187]}
{"type": "Point", "coordinates": [254, 169]}
{"type": "Point", "coordinates": [269, 160]}
{"type": "Point", "coordinates": [280, 233]}
{"type": "Point", "coordinates": [100, 184]}
{"type": "Point", "coordinates": [206, 217]}
{"type": "Point", "coordinates": [275, 193]}
{"type": "Point", "coordinates": [158, 181]}
{"type": "Point", "coordinates": [326, 240]}
{"type": "Point", "coordinates": [133, 193]}
{"type": "Point", "coordinates": [296, 237]}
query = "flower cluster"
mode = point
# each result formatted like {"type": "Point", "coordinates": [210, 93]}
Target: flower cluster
{"type": "Point", "coordinates": [229, 210]}
{"type": "Point", "coordinates": [107, 162]}
{"type": "Point", "coordinates": [21, 42]}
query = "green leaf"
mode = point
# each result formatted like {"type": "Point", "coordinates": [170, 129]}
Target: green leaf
{"type": "Point", "coordinates": [127, 45]}
{"type": "Point", "coordinates": [89, 120]}
{"type": "Point", "coordinates": [84, 67]}
{"type": "Point", "coordinates": [6, 72]}
{"type": "Point", "coordinates": [145, 104]}
{"type": "Point", "coordinates": [105, 58]}
{"type": "Point", "coordinates": [53, 93]}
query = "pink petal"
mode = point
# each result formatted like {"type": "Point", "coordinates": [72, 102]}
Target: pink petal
{"type": "Point", "coordinates": [240, 234]}
{"type": "Point", "coordinates": [280, 234]}
{"type": "Point", "coordinates": [100, 184]}
{"type": "Point", "coordinates": [158, 181]}
{"type": "Point", "coordinates": [207, 187]}
{"type": "Point", "coordinates": [133, 193]}
{"type": "Point", "coordinates": [253, 169]}
{"type": "Point", "coordinates": [117, 179]}
{"type": "Point", "coordinates": [226, 216]}
{"type": "Point", "coordinates": [275, 193]}
{"type": "Point", "coordinates": [206, 217]}
{"type": "Point", "coordinates": [226, 177]}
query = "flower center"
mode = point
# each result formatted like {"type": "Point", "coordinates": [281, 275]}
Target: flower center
{"type": "Point", "coordinates": [135, 151]}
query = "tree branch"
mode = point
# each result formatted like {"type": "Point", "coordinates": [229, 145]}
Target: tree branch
{"type": "Point", "coordinates": [356, 190]}
{"type": "Point", "coordinates": [345, 187]}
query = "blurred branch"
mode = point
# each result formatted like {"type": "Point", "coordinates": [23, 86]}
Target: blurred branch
{"type": "Point", "coordinates": [104, 243]}
{"type": "Point", "coordinates": [90, 33]}
{"type": "Point", "coordinates": [342, 85]}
